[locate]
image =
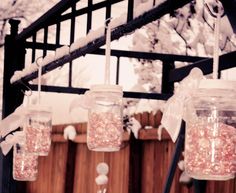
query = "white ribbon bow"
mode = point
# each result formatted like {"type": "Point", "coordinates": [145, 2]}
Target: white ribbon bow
{"type": "Point", "coordinates": [12, 121]}
{"type": "Point", "coordinates": [85, 101]}
{"type": "Point", "coordinates": [174, 109]}
{"type": "Point", "coordinates": [9, 124]}
{"type": "Point", "coordinates": [11, 140]}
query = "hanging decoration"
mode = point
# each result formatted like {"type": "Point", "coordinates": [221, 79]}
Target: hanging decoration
{"type": "Point", "coordinates": [210, 114]}
{"type": "Point", "coordinates": [105, 110]}
{"type": "Point", "coordinates": [37, 128]}
{"type": "Point", "coordinates": [33, 139]}
{"type": "Point", "coordinates": [38, 124]}
{"type": "Point", "coordinates": [211, 129]}
{"type": "Point", "coordinates": [102, 179]}
{"type": "Point", "coordinates": [105, 122]}
{"type": "Point", "coordinates": [25, 164]}
{"type": "Point", "coordinates": [105, 119]}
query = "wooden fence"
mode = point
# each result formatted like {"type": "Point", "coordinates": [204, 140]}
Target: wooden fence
{"type": "Point", "coordinates": [139, 167]}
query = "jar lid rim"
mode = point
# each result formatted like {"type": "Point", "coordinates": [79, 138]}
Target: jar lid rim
{"type": "Point", "coordinates": [106, 87]}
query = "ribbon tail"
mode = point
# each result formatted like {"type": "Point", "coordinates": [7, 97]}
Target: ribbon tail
{"type": "Point", "coordinates": [85, 102]}
{"type": "Point", "coordinates": [10, 123]}
{"type": "Point", "coordinates": [11, 140]}
{"type": "Point", "coordinates": [6, 147]}
{"type": "Point", "coordinates": [172, 121]}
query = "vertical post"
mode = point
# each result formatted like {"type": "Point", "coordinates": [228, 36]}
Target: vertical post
{"type": "Point", "coordinates": [33, 48]}
{"type": "Point", "coordinates": [89, 15]}
{"type": "Point", "coordinates": [135, 165]}
{"type": "Point", "coordinates": [199, 186]}
{"type": "Point", "coordinates": [72, 38]}
{"type": "Point", "coordinates": [117, 70]}
{"type": "Point", "coordinates": [177, 153]}
{"type": "Point", "coordinates": [130, 12]}
{"type": "Point", "coordinates": [167, 87]}
{"type": "Point", "coordinates": [45, 41]}
{"type": "Point", "coordinates": [12, 97]}
{"type": "Point", "coordinates": [108, 10]}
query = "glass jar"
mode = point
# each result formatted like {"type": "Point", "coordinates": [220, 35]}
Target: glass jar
{"type": "Point", "coordinates": [105, 118]}
{"type": "Point", "coordinates": [25, 165]}
{"type": "Point", "coordinates": [38, 127]}
{"type": "Point", "coordinates": [210, 140]}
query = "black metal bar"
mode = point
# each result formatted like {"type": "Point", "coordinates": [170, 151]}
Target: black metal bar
{"type": "Point", "coordinates": [178, 150]}
{"type": "Point", "coordinates": [226, 61]}
{"type": "Point", "coordinates": [40, 45]}
{"type": "Point", "coordinates": [34, 47]}
{"type": "Point", "coordinates": [154, 2]}
{"type": "Point", "coordinates": [89, 15]}
{"type": "Point", "coordinates": [229, 8]}
{"type": "Point", "coordinates": [72, 37]}
{"type": "Point", "coordinates": [166, 86]}
{"type": "Point", "coordinates": [108, 10]}
{"type": "Point", "coordinates": [58, 89]}
{"type": "Point", "coordinates": [58, 34]}
{"type": "Point", "coordinates": [118, 32]}
{"type": "Point", "coordinates": [37, 25]}
{"type": "Point", "coordinates": [14, 58]}
{"type": "Point", "coordinates": [73, 90]}
{"type": "Point", "coordinates": [150, 55]}
{"type": "Point", "coordinates": [130, 11]}
{"type": "Point", "coordinates": [117, 70]}
{"type": "Point", "coordinates": [85, 10]}
{"type": "Point", "coordinates": [130, 53]}
{"type": "Point", "coordinates": [45, 41]}
{"type": "Point", "coordinates": [43, 21]}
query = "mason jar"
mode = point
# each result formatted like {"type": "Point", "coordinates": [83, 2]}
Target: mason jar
{"type": "Point", "coordinates": [25, 165]}
{"type": "Point", "coordinates": [105, 118]}
{"type": "Point", "coordinates": [210, 140]}
{"type": "Point", "coordinates": [37, 128]}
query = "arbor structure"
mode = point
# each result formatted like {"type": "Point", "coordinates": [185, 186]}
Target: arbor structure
{"type": "Point", "coordinates": [27, 40]}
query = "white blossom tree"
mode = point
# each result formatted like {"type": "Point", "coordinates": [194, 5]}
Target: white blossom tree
{"type": "Point", "coordinates": [25, 11]}
{"type": "Point", "coordinates": [186, 31]}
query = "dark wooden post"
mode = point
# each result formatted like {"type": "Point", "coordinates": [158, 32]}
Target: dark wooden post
{"type": "Point", "coordinates": [135, 165]}
{"type": "Point", "coordinates": [14, 57]}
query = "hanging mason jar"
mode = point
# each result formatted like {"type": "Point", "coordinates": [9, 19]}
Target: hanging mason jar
{"type": "Point", "coordinates": [210, 144]}
{"type": "Point", "coordinates": [105, 119]}
{"type": "Point", "coordinates": [25, 165]}
{"type": "Point", "coordinates": [38, 129]}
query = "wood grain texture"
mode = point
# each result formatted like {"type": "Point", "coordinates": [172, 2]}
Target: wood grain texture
{"type": "Point", "coordinates": [141, 165]}
{"type": "Point", "coordinates": [52, 170]}
{"type": "Point", "coordinates": [85, 170]}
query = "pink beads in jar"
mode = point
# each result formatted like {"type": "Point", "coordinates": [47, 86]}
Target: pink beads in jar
{"type": "Point", "coordinates": [38, 129]}
{"type": "Point", "coordinates": [105, 118]}
{"type": "Point", "coordinates": [210, 141]}
{"type": "Point", "coordinates": [25, 165]}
